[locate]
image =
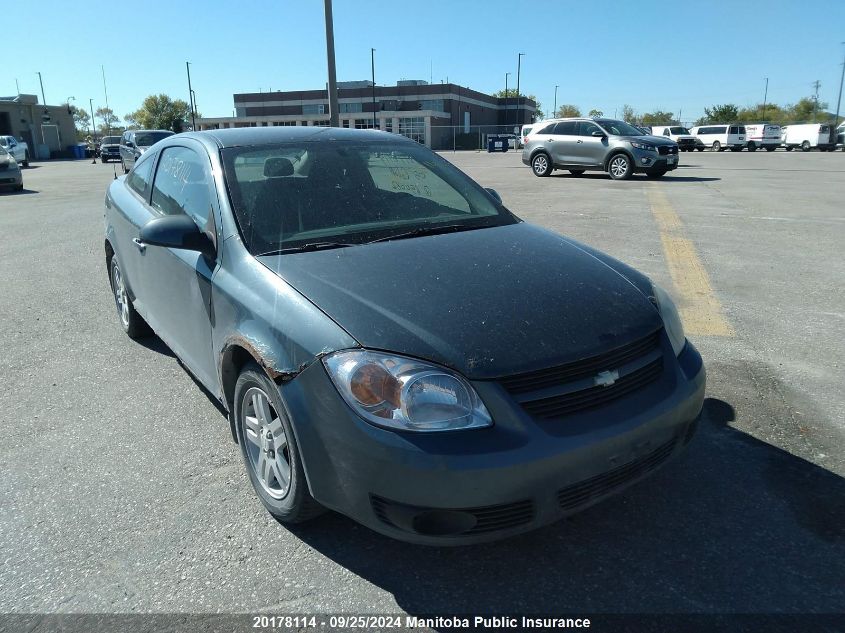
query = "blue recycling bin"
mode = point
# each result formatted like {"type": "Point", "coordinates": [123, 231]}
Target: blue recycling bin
{"type": "Point", "coordinates": [497, 143]}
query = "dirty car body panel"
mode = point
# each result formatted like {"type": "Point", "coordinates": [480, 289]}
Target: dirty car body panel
{"type": "Point", "coordinates": [579, 374]}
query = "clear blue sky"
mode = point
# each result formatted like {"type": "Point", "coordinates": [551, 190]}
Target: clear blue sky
{"type": "Point", "coordinates": [668, 55]}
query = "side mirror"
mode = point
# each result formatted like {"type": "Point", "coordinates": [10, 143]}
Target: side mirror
{"type": "Point", "coordinates": [494, 194]}
{"type": "Point", "coordinates": [130, 144]}
{"type": "Point", "coordinates": [598, 133]}
{"type": "Point", "coordinates": [177, 231]}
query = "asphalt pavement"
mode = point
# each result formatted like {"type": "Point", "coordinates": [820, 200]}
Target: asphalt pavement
{"type": "Point", "coordinates": [123, 491]}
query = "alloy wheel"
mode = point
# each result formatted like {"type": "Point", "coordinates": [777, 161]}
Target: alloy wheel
{"type": "Point", "coordinates": [618, 166]}
{"type": "Point", "coordinates": [266, 443]}
{"type": "Point", "coordinates": [121, 300]}
{"type": "Point", "coordinates": [541, 165]}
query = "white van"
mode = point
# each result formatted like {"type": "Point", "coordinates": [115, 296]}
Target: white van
{"type": "Point", "coordinates": [718, 137]}
{"type": "Point", "coordinates": [525, 131]}
{"type": "Point", "coordinates": [762, 135]}
{"type": "Point", "coordinates": [678, 133]}
{"type": "Point", "coordinates": [807, 136]}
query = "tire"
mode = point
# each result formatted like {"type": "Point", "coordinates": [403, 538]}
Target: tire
{"type": "Point", "coordinates": [805, 146]}
{"type": "Point", "coordinates": [736, 149]}
{"type": "Point", "coordinates": [19, 187]}
{"type": "Point", "coordinates": [655, 173]}
{"type": "Point", "coordinates": [752, 147]}
{"type": "Point", "coordinates": [770, 149]}
{"type": "Point", "coordinates": [25, 162]}
{"type": "Point", "coordinates": [577, 172]}
{"type": "Point", "coordinates": [619, 167]}
{"type": "Point", "coordinates": [131, 322]}
{"type": "Point", "coordinates": [267, 439]}
{"type": "Point", "coordinates": [541, 165]}
{"type": "Point", "coordinates": [122, 164]}
{"type": "Point", "coordinates": [717, 146]}
{"type": "Point", "coordinates": [700, 149]}
{"type": "Point", "coordinates": [789, 148]}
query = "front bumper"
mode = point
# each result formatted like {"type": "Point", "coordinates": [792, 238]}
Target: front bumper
{"type": "Point", "coordinates": [647, 161]}
{"type": "Point", "coordinates": [11, 177]}
{"type": "Point", "coordinates": [481, 485]}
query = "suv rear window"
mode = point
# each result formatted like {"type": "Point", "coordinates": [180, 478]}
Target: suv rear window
{"type": "Point", "coordinates": [566, 128]}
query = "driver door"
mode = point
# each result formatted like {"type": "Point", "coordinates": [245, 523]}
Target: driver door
{"type": "Point", "coordinates": [589, 150]}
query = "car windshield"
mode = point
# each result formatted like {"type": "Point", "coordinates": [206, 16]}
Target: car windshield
{"type": "Point", "coordinates": [678, 130]}
{"type": "Point", "coordinates": [111, 140]}
{"type": "Point", "coordinates": [297, 195]}
{"type": "Point", "coordinates": [145, 139]}
{"type": "Point", "coordinates": [619, 128]}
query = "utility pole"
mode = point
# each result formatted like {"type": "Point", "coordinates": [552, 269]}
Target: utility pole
{"type": "Point", "coordinates": [519, 119]}
{"type": "Point", "coordinates": [191, 98]}
{"type": "Point", "coordinates": [506, 99]}
{"type": "Point", "coordinates": [554, 112]}
{"type": "Point", "coordinates": [373, 68]}
{"type": "Point", "coordinates": [332, 87]}
{"type": "Point", "coordinates": [765, 96]}
{"type": "Point", "coordinates": [43, 98]}
{"type": "Point", "coordinates": [17, 86]}
{"type": "Point", "coordinates": [107, 117]}
{"type": "Point", "coordinates": [93, 120]}
{"type": "Point", "coordinates": [839, 98]}
{"type": "Point", "coordinates": [816, 85]}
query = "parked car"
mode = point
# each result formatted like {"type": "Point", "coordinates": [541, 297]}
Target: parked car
{"type": "Point", "coordinates": [10, 172]}
{"type": "Point", "coordinates": [762, 135]}
{"type": "Point", "coordinates": [340, 292]}
{"type": "Point", "coordinates": [678, 133]}
{"type": "Point", "coordinates": [598, 144]}
{"type": "Point", "coordinates": [808, 136]}
{"type": "Point", "coordinates": [134, 143]}
{"type": "Point", "coordinates": [109, 148]}
{"type": "Point", "coordinates": [720, 137]}
{"type": "Point", "coordinates": [16, 148]}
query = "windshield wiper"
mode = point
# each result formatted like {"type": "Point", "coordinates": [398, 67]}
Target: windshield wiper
{"type": "Point", "coordinates": [428, 230]}
{"type": "Point", "coordinates": [312, 246]}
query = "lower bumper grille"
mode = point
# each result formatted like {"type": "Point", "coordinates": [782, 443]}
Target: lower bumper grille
{"type": "Point", "coordinates": [583, 492]}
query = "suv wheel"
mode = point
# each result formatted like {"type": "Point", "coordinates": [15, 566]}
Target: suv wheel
{"type": "Point", "coordinates": [269, 449]}
{"type": "Point", "coordinates": [717, 146]}
{"type": "Point", "coordinates": [541, 165]}
{"type": "Point", "coordinates": [619, 167]}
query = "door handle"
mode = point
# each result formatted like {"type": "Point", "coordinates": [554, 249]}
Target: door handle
{"type": "Point", "coordinates": [139, 244]}
{"type": "Point", "coordinates": [579, 141]}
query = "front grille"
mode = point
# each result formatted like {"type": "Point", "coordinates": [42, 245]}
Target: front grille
{"type": "Point", "coordinates": [583, 492]}
{"type": "Point", "coordinates": [488, 518]}
{"type": "Point", "coordinates": [665, 149]}
{"type": "Point", "coordinates": [591, 397]}
{"type": "Point", "coordinates": [532, 381]}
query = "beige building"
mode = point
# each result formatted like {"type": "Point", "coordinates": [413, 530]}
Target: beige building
{"type": "Point", "coordinates": [47, 130]}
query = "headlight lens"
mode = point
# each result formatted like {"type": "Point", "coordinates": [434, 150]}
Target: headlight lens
{"type": "Point", "coordinates": [404, 393]}
{"type": "Point", "coordinates": [643, 146]}
{"type": "Point", "coordinates": [671, 318]}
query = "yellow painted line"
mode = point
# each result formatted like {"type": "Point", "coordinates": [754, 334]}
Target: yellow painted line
{"type": "Point", "coordinates": [698, 305]}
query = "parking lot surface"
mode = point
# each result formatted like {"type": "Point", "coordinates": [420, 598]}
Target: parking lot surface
{"type": "Point", "coordinates": [123, 492]}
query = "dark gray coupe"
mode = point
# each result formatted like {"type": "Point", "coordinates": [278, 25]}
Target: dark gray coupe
{"type": "Point", "coordinates": [389, 340]}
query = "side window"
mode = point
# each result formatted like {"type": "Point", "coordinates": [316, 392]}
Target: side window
{"type": "Point", "coordinates": [585, 128]}
{"type": "Point", "coordinates": [181, 186]}
{"type": "Point", "coordinates": [140, 176]}
{"type": "Point", "coordinates": [666, 131]}
{"type": "Point", "coordinates": [549, 129]}
{"type": "Point", "coordinates": [566, 128]}
{"type": "Point", "coordinates": [734, 130]}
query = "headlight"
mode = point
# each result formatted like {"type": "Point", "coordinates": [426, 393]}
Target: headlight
{"type": "Point", "coordinates": [671, 318]}
{"type": "Point", "coordinates": [644, 146]}
{"type": "Point", "coordinates": [404, 393]}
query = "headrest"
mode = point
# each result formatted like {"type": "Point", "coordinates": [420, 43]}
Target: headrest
{"type": "Point", "coordinates": [277, 167]}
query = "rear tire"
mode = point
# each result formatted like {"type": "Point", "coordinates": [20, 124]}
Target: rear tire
{"type": "Point", "coordinates": [805, 146]}
{"type": "Point", "coordinates": [267, 442]}
{"type": "Point", "coordinates": [788, 148]}
{"type": "Point", "coordinates": [577, 172]}
{"type": "Point", "coordinates": [752, 147]}
{"type": "Point", "coordinates": [541, 165]}
{"type": "Point", "coordinates": [619, 167]}
{"type": "Point", "coordinates": [655, 173]}
{"type": "Point", "coordinates": [131, 322]}
{"type": "Point", "coordinates": [770, 149]}
{"type": "Point", "coordinates": [717, 146]}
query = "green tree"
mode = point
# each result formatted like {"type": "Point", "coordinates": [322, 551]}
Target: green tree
{"type": "Point", "coordinates": [805, 110]}
{"type": "Point", "coordinates": [595, 112]}
{"type": "Point", "coordinates": [658, 117]}
{"type": "Point", "coordinates": [719, 114]}
{"type": "Point", "coordinates": [160, 112]}
{"type": "Point", "coordinates": [629, 114]}
{"type": "Point", "coordinates": [81, 118]}
{"type": "Point", "coordinates": [108, 120]}
{"type": "Point", "coordinates": [511, 94]}
{"type": "Point", "coordinates": [567, 110]}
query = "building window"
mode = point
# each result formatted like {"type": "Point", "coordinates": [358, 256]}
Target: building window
{"type": "Point", "coordinates": [284, 123]}
{"type": "Point", "coordinates": [314, 108]}
{"type": "Point", "coordinates": [344, 123]}
{"type": "Point", "coordinates": [433, 104]}
{"type": "Point", "coordinates": [364, 124]}
{"type": "Point", "coordinates": [322, 123]}
{"type": "Point", "coordinates": [413, 128]}
{"type": "Point", "coordinates": [346, 108]}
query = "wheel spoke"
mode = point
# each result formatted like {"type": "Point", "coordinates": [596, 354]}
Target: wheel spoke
{"type": "Point", "coordinates": [280, 442]}
{"type": "Point", "coordinates": [275, 427]}
{"type": "Point", "coordinates": [262, 408]}
{"type": "Point", "coordinates": [281, 472]}
{"type": "Point", "coordinates": [252, 424]}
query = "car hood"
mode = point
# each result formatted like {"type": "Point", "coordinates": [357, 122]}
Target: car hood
{"type": "Point", "coordinates": [488, 303]}
{"type": "Point", "coordinates": [654, 140]}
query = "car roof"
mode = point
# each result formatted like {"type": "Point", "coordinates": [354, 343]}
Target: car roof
{"type": "Point", "coordinates": [138, 131]}
{"type": "Point", "coordinates": [235, 137]}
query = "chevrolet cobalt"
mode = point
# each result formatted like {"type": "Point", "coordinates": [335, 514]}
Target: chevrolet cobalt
{"type": "Point", "coordinates": [389, 341]}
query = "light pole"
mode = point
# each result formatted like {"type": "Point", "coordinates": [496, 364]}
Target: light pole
{"type": "Point", "coordinates": [519, 119]}
{"type": "Point", "coordinates": [108, 113]}
{"type": "Point", "coordinates": [93, 121]}
{"type": "Point", "coordinates": [765, 96]}
{"type": "Point", "coordinates": [194, 97]}
{"type": "Point", "coordinates": [191, 97]}
{"type": "Point", "coordinates": [839, 98]}
{"type": "Point", "coordinates": [373, 68]}
{"type": "Point", "coordinates": [506, 100]}
{"type": "Point", "coordinates": [554, 112]}
{"type": "Point", "coordinates": [332, 87]}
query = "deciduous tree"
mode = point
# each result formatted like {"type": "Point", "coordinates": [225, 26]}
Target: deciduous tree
{"type": "Point", "coordinates": [567, 110]}
{"type": "Point", "coordinates": [160, 112]}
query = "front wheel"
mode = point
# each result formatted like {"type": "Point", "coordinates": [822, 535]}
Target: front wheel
{"type": "Point", "coordinates": [620, 167]}
{"type": "Point", "coordinates": [541, 165]}
{"type": "Point", "coordinates": [655, 173]}
{"type": "Point", "coordinates": [717, 146]}
{"type": "Point", "coordinates": [130, 320]}
{"type": "Point", "coordinates": [269, 449]}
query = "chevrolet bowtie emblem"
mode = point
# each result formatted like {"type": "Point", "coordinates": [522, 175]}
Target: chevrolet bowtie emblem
{"type": "Point", "coordinates": [606, 378]}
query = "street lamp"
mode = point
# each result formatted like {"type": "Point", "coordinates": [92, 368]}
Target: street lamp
{"type": "Point", "coordinates": [93, 121]}
{"type": "Point", "coordinates": [373, 68]}
{"type": "Point", "coordinates": [191, 97]}
{"type": "Point", "coordinates": [554, 112]}
{"type": "Point", "coordinates": [506, 98]}
{"type": "Point", "coordinates": [519, 118]}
